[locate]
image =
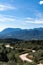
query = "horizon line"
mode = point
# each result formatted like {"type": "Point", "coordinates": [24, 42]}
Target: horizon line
{"type": "Point", "coordinates": [21, 28]}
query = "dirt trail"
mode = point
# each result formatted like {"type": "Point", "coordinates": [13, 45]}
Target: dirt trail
{"type": "Point", "coordinates": [40, 64]}
{"type": "Point", "coordinates": [24, 58]}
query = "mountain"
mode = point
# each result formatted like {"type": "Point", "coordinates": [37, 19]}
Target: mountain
{"type": "Point", "coordinates": [24, 34]}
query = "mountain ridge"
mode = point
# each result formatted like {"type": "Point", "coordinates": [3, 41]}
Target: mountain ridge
{"type": "Point", "coordinates": [24, 34]}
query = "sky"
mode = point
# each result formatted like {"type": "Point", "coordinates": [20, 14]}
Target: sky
{"type": "Point", "coordinates": [25, 14]}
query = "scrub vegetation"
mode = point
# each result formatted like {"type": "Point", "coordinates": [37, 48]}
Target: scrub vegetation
{"type": "Point", "coordinates": [11, 49]}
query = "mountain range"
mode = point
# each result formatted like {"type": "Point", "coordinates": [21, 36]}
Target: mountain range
{"type": "Point", "coordinates": [23, 34]}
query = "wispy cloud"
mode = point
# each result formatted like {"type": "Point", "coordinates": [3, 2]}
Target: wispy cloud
{"type": "Point", "coordinates": [34, 21]}
{"type": "Point", "coordinates": [41, 2]}
{"type": "Point", "coordinates": [6, 7]}
{"type": "Point", "coordinates": [29, 20]}
{"type": "Point", "coordinates": [38, 19]}
{"type": "Point", "coordinates": [6, 18]}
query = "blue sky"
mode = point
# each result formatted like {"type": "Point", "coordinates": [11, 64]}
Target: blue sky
{"type": "Point", "coordinates": [23, 14]}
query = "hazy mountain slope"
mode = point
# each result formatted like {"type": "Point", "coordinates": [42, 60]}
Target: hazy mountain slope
{"type": "Point", "coordinates": [25, 34]}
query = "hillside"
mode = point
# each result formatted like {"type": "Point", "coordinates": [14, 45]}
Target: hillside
{"type": "Point", "coordinates": [24, 34]}
{"type": "Point", "coordinates": [21, 52]}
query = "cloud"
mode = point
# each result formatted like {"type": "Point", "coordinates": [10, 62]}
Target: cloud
{"type": "Point", "coordinates": [33, 20]}
{"type": "Point", "coordinates": [6, 18]}
{"type": "Point", "coordinates": [41, 2]}
{"type": "Point", "coordinates": [6, 7]}
{"type": "Point", "coordinates": [25, 20]}
{"type": "Point", "coordinates": [29, 20]}
{"type": "Point", "coordinates": [38, 19]}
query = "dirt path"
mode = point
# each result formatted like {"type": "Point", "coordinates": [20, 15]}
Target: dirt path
{"type": "Point", "coordinates": [24, 58]}
{"type": "Point", "coordinates": [40, 64]}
